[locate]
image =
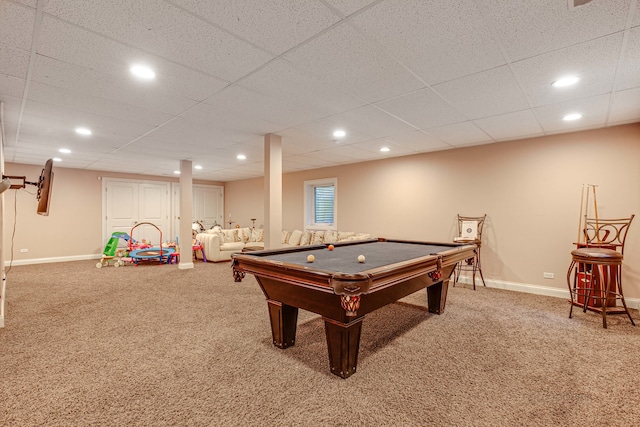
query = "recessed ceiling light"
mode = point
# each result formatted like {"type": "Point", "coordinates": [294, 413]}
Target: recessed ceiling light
{"type": "Point", "coordinates": [339, 133]}
{"type": "Point", "coordinates": [83, 131]}
{"type": "Point", "coordinates": [197, 167]}
{"type": "Point", "coordinates": [64, 150]}
{"type": "Point", "coordinates": [57, 159]}
{"type": "Point", "coordinates": [385, 149]}
{"type": "Point", "coordinates": [241, 157]}
{"type": "Point", "coordinates": [566, 81]}
{"type": "Point", "coordinates": [572, 116]}
{"type": "Point", "coordinates": [143, 72]}
{"type": "Point", "coordinates": [176, 172]}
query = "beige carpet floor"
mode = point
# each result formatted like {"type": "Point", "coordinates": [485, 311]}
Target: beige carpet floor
{"type": "Point", "coordinates": [158, 346]}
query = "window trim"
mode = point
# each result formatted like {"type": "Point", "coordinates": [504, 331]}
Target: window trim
{"type": "Point", "coordinates": [309, 204]}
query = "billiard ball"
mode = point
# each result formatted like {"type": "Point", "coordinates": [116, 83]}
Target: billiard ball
{"type": "Point", "coordinates": [311, 258]}
{"type": "Point", "coordinates": [360, 258]}
{"type": "Point", "coordinates": [330, 247]}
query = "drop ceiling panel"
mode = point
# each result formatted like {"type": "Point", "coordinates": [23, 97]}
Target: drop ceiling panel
{"type": "Point", "coordinates": [13, 62]}
{"type": "Point", "coordinates": [419, 141]}
{"type": "Point", "coordinates": [229, 121]}
{"type": "Point", "coordinates": [78, 107]}
{"type": "Point", "coordinates": [253, 21]}
{"type": "Point", "coordinates": [484, 94]}
{"type": "Point", "coordinates": [460, 134]}
{"type": "Point", "coordinates": [625, 107]}
{"type": "Point", "coordinates": [595, 62]}
{"type": "Point", "coordinates": [349, 61]}
{"type": "Point", "coordinates": [16, 23]}
{"type": "Point", "coordinates": [103, 86]}
{"type": "Point", "coordinates": [515, 125]}
{"type": "Point", "coordinates": [629, 72]}
{"type": "Point", "coordinates": [281, 81]}
{"type": "Point", "coordinates": [347, 7]}
{"type": "Point", "coordinates": [373, 146]}
{"type": "Point", "coordinates": [166, 31]}
{"type": "Point", "coordinates": [423, 109]}
{"type": "Point", "coordinates": [528, 28]}
{"type": "Point", "coordinates": [593, 110]}
{"type": "Point", "coordinates": [253, 105]}
{"type": "Point", "coordinates": [11, 89]}
{"type": "Point", "coordinates": [435, 29]}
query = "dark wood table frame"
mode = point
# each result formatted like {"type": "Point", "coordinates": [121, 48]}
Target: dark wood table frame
{"type": "Point", "coordinates": [344, 299]}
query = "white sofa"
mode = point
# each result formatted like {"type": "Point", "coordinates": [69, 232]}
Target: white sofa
{"type": "Point", "coordinates": [218, 244]}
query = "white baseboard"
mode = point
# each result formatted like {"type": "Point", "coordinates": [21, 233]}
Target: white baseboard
{"type": "Point", "coordinates": [534, 289]}
{"type": "Point", "coordinates": [49, 260]}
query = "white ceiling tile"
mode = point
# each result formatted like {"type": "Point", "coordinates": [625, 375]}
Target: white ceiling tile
{"type": "Point", "coordinates": [417, 32]}
{"type": "Point", "coordinates": [87, 81]}
{"type": "Point", "coordinates": [461, 134]}
{"type": "Point", "coordinates": [167, 31]}
{"type": "Point", "coordinates": [515, 125]}
{"type": "Point", "coordinates": [16, 23]}
{"type": "Point", "coordinates": [70, 103]}
{"type": "Point", "coordinates": [369, 120]}
{"type": "Point", "coordinates": [419, 141]}
{"type": "Point", "coordinates": [625, 106]}
{"type": "Point", "coordinates": [424, 109]}
{"type": "Point", "coordinates": [528, 28]}
{"type": "Point", "coordinates": [282, 81]}
{"type": "Point", "coordinates": [395, 149]}
{"type": "Point", "coordinates": [13, 61]}
{"type": "Point", "coordinates": [11, 89]}
{"type": "Point", "coordinates": [349, 61]}
{"type": "Point", "coordinates": [629, 72]}
{"type": "Point", "coordinates": [347, 7]}
{"type": "Point", "coordinates": [484, 94]}
{"type": "Point", "coordinates": [257, 106]}
{"type": "Point", "coordinates": [595, 62]}
{"type": "Point", "coordinates": [593, 110]}
{"type": "Point", "coordinates": [222, 119]}
{"type": "Point", "coordinates": [296, 20]}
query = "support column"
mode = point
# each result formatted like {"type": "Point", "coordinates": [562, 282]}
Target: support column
{"type": "Point", "coordinates": [186, 214]}
{"type": "Point", "coordinates": [272, 191]}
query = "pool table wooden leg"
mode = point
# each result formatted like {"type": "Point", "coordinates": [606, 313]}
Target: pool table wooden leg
{"type": "Point", "coordinates": [284, 319]}
{"type": "Point", "coordinates": [343, 342]}
{"type": "Point", "coordinates": [437, 296]}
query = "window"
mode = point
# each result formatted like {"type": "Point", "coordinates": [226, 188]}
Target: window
{"type": "Point", "coordinates": [320, 204]}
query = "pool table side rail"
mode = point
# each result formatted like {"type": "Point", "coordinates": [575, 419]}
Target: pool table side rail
{"type": "Point", "coordinates": [254, 263]}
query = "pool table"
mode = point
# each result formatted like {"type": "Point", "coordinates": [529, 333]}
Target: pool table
{"type": "Point", "coordinates": [343, 290]}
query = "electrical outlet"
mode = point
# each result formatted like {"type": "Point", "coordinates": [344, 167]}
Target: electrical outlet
{"type": "Point", "coordinates": [24, 251]}
{"type": "Point", "coordinates": [548, 275]}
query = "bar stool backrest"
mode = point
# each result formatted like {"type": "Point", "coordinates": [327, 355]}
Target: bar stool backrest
{"type": "Point", "coordinates": [606, 232]}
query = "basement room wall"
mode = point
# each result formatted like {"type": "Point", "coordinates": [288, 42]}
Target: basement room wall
{"type": "Point", "coordinates": [530, 190]}
{"type": "Point", "coordinates": [73, 229]}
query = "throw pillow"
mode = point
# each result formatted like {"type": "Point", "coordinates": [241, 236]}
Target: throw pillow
{"type": "Point", "coordinates": [294, 239]}
{"type": "Point", "coordinates": [230, 236]}
{"type": "Point", "coordinates": [257, 235]}
{"type": "Point", "coordinates": [285, 236]}
{"type": "Point", "coordinates": [330, 236]}
{"type": "Point", "coordinates": [244, 234]}
{"type": "Point", "coordinates": [306, 238]}
{"type": "Point", "coordinates": [344, 235]}
{"type": "Point", "coordinates": [318, 238]}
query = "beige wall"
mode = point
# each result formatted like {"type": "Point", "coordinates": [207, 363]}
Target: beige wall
{"type": "Point", "coordinates": [530, 189]}
{"type": "Point", "coordinates": [74, 225]}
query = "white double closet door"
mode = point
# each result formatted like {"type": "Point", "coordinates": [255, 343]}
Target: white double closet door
{"type": "Point", "coordinates": [129, 203]}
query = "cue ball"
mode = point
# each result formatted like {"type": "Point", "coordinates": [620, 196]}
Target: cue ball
{"type": "Point", "coordinates": [360, 258]}
{"type": "Point", "coordinates": [311, 258]}
{"type": "Point", "coordinates": [330, 247]}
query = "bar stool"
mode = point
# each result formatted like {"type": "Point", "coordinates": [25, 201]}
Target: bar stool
{"type": "Point", "coordinates": [470, 231]}
{"type": "Point", "coordinates": [594, 277]}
